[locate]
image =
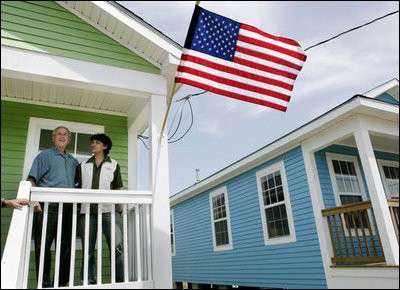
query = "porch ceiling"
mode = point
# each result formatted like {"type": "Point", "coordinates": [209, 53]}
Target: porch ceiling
{"type": "Point", "coordinates": [50, 94]}
{"type": "Point", "coordinates": [379, 142]}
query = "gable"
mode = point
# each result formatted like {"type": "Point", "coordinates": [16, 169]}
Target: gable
{"type": "Point", "coordinates": [387, 98]}
{"type": "Point", "coordinates": [46, 27]}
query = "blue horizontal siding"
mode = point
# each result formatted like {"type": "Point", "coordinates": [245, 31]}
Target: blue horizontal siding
{"type": "Point", "coordinates": [250, 262]}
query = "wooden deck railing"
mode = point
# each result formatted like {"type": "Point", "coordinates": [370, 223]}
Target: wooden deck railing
{"type": "Point", "coordinates": [354, 235]}
{"type": "Point", "coordinates": [394, 213]}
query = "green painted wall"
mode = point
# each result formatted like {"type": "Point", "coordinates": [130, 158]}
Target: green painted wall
{"type": "Point", "coordinates": [14, 129]}
{"type": "Point", "coordinates": [47, 27]}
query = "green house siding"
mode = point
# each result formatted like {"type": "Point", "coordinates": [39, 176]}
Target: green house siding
{"type": "Point", "coordinates": [46, 27]}
{"type": "Point", "coordinates": [14, 129]}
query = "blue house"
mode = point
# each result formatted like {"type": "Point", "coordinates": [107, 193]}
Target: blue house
{"type": "Point", "coordinates": [317, 208]}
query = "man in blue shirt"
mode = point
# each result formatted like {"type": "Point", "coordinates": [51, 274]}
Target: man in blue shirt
{"type": "Point", "coordinates": [54, 168]}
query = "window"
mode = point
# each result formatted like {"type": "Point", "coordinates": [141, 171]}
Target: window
{"type": "Point", "coordinates": [347, 184]}
{"type": "Point", "coordinates": [346, 179]}
{"type": "Point", "coordinates": [276, 211]}
{"type": "Point", "coordinates": [390, 176]}
{"type": "Point", "coordinates": [220, 220]}
{"type": "Point", "coordinates": [172, 231]}
{"type": "Point", "coordinates": [79, 146]}
{"type": "Point", "coordinates": [39, 138]}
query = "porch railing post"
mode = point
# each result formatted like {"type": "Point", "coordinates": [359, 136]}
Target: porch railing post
{"type": "Point", "coordinates": [14, 254]}
{"type": "Point", "coordinates": [159, 184]}
{"type": "Point", "coordinates": [377, 195]}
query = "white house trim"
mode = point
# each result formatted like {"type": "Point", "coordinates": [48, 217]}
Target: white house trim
{"type": "Point", "coordinates": [35, 66]}
{"type": "Point", "coordinates": [159, 186]}
{"type": "Point", "coordinates": [377, 194]}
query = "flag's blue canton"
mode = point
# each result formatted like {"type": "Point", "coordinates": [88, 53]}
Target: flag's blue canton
{"type": "Point", "coordinates": [216, 35]}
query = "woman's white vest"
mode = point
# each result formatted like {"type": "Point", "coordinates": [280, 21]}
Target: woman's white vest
{"type": "Point", "coordinates": [106, 177]}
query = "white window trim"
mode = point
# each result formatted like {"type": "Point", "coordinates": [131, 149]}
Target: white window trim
{"type": "Point", "coordinates": [261, 173]}
{"type": "Point", "coordinates": [173, 252]}
{"type": "Point", "coordinates": [336, 193]}
{"type": "Point", "coordinates": [228, 219]}
{"type": "Point", "coordinates": [381, 163]}
{"type": "Point", "coordinates": [33, 138]}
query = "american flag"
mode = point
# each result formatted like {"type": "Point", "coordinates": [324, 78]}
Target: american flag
{"type": "Point", "coordinates": [239, 61]}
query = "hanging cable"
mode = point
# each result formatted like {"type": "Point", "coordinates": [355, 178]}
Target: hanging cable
{"type": "Point", "coordinates": [180, 112]}
{"type": "Point", "coordinates": [191, 123]}
{"type": "Point", "coordinates": [319, 43]}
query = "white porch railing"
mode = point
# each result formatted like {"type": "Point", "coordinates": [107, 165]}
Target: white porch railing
{"type": "Point", "coordinates": [136, 237]}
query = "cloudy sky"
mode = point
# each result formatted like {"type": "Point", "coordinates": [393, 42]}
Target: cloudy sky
{"type": "Point", "coordinates": [226, 130]}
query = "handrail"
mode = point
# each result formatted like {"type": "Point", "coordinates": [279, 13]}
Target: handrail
{"type": "Point", "coordinates": [74, 195]}
{"type": "Point", "coordinates": [136, 218]}
{"type": "Point", "coordinates": [347, 208]}
{"type": "Point", "coordinates": [356, 223]}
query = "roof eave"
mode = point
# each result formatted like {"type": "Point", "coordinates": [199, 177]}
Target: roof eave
{"type": "Point", "coordinates": [356, 105]}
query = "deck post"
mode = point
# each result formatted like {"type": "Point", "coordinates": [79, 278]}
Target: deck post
{"type": "Point", "coordinates": [159, 186]}
{"type": "Point", "coordinates": [377, 195]}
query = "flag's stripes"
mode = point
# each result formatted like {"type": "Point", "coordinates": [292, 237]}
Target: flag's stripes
{"type": "Point", "coordinates": [236, 71]}
{"type": "Point", "coordinates": [234, 81]}
{"type": "Point", "coordinates": [265, 68]}
{"type": "Point", "coordinates": [229, 93]}
{"type": "Point", "coordinates": [271, 49]}
{"type": "Point", "coordinates": [270, 59]}
{"type": "Point", "coordinates": [228, 87]}
{"type": "Point", "coordinates": [293, 48]}
{"type": "Point", "coordinates": [281, 39]}
{"type": "Point", "coordinates": [248, 66]}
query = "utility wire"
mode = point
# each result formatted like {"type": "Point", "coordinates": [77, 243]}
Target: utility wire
{"type": "Point", "coordinates": [319, 43]}
{"type": "Point", "coordinates": [186, 98]}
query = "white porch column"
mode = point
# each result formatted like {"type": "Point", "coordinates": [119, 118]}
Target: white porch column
{"type": "Point", "coordinates": [159, 186]}
{"type": "Point", "coordinates": [377, 195]}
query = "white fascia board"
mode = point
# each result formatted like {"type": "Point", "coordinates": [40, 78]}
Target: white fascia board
{"type": "Point", "coordinates": [138, 27]}
{"type": "Point", "coordinates": [386, 87]}
{"type": "Point", "coordinates": [59, 70]}
{"type": "Point", "coordinates": [353, 106]}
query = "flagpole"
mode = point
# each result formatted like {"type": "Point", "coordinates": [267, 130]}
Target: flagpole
{"type": "Point", "coordinates": [169, 102]}
{"type": "Point", "coordinates": [166, 113]}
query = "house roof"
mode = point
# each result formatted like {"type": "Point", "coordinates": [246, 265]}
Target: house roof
{"type": "Point", "coordinates": [358, 104]}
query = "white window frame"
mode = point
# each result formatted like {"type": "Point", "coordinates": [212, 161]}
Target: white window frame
{"type": "Point", "coordinates": [382, 163]}
{"type": "Point", "coordinates": [172, 220]}
{"type": "Point", "coordinates": [279, 166]}
{"type": "Point", "coordinates": [219, 191]}
{"type": "Point", "coordinates": [346, 158]}
{"type": "Point", "coordinates": [33, 138]}
{"type": "Point", "coordinates": [363, 194]}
